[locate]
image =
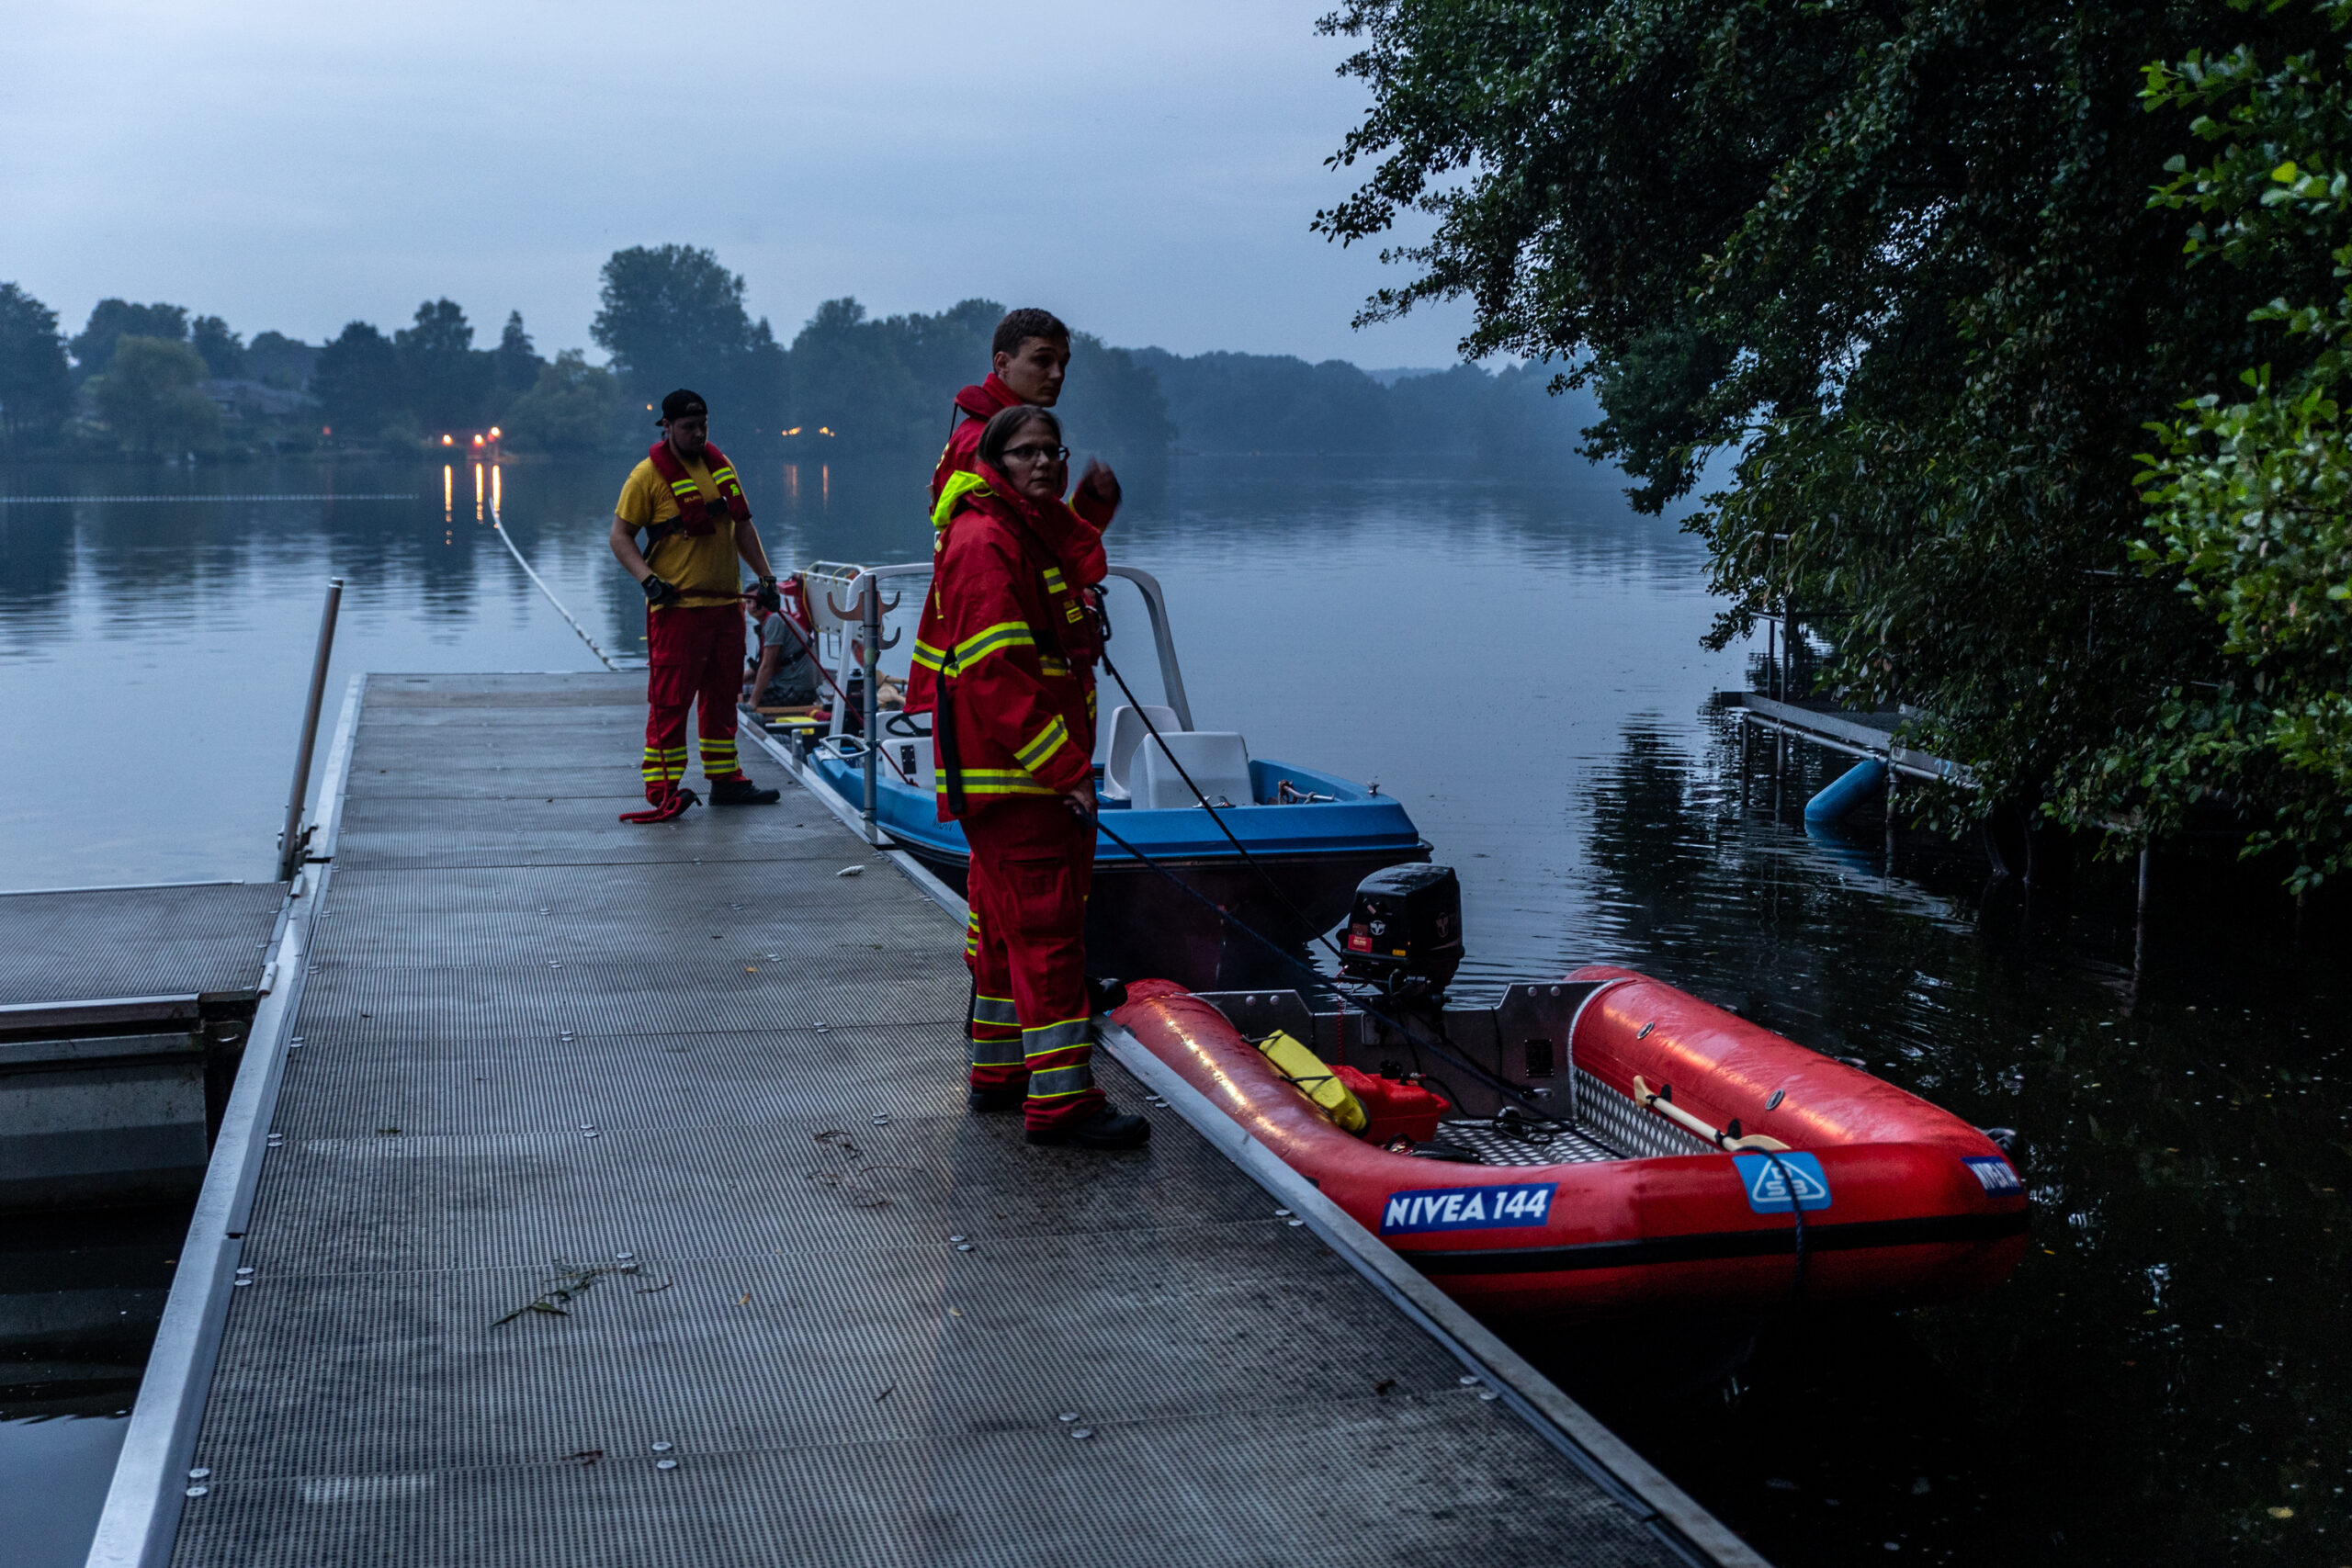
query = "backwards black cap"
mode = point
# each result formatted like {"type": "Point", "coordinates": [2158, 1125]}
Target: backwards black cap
{"type": "Point", "coordinates": [679, 403]}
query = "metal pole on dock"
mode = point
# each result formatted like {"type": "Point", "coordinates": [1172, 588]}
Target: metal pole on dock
{"type": "Point", "coordinates": [1892, 777]}
{"type": "Point", "coordinates": [290, 844]}
{"type": "Point", "coordinates": [871, 610]}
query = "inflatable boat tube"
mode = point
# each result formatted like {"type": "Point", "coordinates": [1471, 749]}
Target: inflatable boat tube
{"type": "Point", "coordinates": [1896, 1202]}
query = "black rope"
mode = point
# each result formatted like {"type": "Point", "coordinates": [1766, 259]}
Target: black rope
{"type": "Point", "coordinates": [1153, 730]}
{"type": "Point", "coordinates": [1797, 1208]}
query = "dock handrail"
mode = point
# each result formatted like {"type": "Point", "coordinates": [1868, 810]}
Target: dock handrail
{"type": "Point", "coordinates": [290, 844]}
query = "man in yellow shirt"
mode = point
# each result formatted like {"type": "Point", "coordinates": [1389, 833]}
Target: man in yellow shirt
{"type": "Point", "coordinates": [687, 500]}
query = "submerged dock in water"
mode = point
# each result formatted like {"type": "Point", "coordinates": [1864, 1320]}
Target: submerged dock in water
{"type": "Point", "coordinates": [602, 1194]}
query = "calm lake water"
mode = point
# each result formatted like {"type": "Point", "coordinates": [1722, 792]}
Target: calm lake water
{"type": "Point", "coordinates": [1517, 657]}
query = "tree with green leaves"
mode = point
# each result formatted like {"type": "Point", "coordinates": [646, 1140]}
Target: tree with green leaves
{"type": "Point", "coordinates": [148, 397]}
{"type": "Point", "coordinates": [1900, 262]}
{"type": "Point", "coordinates": [110, 320]}
{"type": "Point", "coordinates": [446, 383]}
{"type": "Point", "coordinates": [519, 364]}
{"type": "Point", "coordinates": [36, 388]}
{"type": "Point", "coordinates": [572, 408]}
{"type": "Point", "coordinates": [223, 353]}
{"type": "Point", "coordinates": [357, 382]}
{"type": "Point", "coordinates": [672, 316]}
{"type": "Point", "coordinates": [2252, 490]}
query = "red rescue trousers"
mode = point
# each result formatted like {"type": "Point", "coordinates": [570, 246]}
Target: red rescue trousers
{"type": "Point", "coordinates": [695, 654]}
{"type": "Point", "coordinates": [1032, 859]}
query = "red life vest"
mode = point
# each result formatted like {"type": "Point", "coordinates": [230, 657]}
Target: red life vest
{"type": "Point", "coordinates": [693, 518]}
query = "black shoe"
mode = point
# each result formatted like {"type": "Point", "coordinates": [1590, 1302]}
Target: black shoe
{"type": "Point", "coordinates": [985, 1101]}
{"type": "Point", "coordinates": [741, 792]}
{"type": "Point", "coordinates": [1106, 1129]}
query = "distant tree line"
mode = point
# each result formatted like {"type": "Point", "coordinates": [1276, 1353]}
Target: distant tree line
{"type": "Point", "coordinates": [156, 379]}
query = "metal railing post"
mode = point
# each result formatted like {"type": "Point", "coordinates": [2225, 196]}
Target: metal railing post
{"type": "Point", "coordinates": [291, 844]}
{"type": "Point", "coordinates": [871, 698]}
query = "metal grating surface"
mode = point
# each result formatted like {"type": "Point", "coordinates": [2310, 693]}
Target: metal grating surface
{"type": "Point", "coordinates": [135, 942]}
{"type": "Point", "coordinates": [1617, 1119]}
{"type": "Point", "coordinates": [836, 1380]}
{"type": "Point", "coordinates": [1550, 1145]}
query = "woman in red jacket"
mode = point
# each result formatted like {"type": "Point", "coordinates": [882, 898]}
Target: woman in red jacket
{"type": "Point", "coordinates": [1007, 632]}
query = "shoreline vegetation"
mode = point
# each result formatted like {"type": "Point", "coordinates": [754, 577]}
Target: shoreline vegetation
{"type": "Point", "coordinates": [150, 382]}
{"type": "Point", "coordinates": [2020, 329]}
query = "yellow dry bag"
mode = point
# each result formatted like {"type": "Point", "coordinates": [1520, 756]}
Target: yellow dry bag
{"type": "Point", "coordinates": [1314, 1078]}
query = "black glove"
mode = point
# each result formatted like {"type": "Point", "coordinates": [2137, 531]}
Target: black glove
{"type": "Point", "coordinates": [767, 595]}
{"type": "Point", "coordinates": [655, 589]}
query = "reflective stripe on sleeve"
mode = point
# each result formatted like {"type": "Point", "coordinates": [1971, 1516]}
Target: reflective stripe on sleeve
{"type": "Point", "coordinates": [992, 640]}
{"type": "Point", "coordinates": [994, 781]}
{"type": "Point", "coordinates": [1044, 744]}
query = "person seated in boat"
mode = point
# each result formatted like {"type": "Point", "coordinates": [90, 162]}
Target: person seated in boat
{"type": "Point", "coordinates": [785, 674]}
{"type": "Point", "coordinates": [1029, 359]}
{"type": "Point", "coordinates": [1013, 737]}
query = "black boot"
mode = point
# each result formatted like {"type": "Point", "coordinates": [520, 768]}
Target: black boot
{"type": "Point", "coordinates": [741, 792]}
{"type": "Point", "coordinates": [990, 1100]}
{"type": "Point", "coordinates": [1106, 1129]}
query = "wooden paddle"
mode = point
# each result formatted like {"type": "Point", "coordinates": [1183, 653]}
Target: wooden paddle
{"type": "Point", "coordinates": [1656, 1099]}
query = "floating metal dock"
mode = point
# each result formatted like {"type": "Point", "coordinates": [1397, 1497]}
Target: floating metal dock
{"type": "Point", "coordinates": [597, 1194]}
{"type": "Point", "coordinates": [122, 1012]}
{"type": "Point", "coordinates": [1853, 731]}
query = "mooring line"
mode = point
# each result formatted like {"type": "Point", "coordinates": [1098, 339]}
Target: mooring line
{"type": "Point", "coordinates": [500, 529]}
{"type": "Point", "coordinates": [321, 496]}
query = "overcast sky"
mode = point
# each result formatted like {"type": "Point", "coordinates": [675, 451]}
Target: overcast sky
{"type": "Point", "coordinates": [1149, 171]}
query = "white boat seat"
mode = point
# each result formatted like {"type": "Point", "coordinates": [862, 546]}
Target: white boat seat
{"type": "Point", "coordinates": [1114, 746]}
{"type": "Point", "coordinates": [1217, 760]}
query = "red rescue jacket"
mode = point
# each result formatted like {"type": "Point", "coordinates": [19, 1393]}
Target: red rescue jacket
{"type": "Point", "coordinates": [975, 406]}
{"type": "Point", "coordinates": [694, 517]}
{"type": "Point", "coordinates": [1006, 647]}
{"type": "Point", "coordinates": [1078, 549]}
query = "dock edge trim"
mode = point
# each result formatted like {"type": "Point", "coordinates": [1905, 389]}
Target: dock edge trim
{"type": "Point", "coordinates": [140, 1521]}
{"type": "Point", "coordinates": [1600, 1454]}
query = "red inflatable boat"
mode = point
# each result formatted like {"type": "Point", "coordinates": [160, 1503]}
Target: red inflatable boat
{"type": "Point", "coordinates": [1682, 1158]}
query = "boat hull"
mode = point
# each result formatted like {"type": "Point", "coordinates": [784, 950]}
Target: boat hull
{"type": "Point", "coordinates": [1297, 881]}
{"type": "Point", "coordinates": [1141, 922]}
{"type": "Point", "coordinates": [1913, 1205]}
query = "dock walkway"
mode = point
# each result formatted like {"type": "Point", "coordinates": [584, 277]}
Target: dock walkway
{"type": "Point", "coordinates": [611, 1199]}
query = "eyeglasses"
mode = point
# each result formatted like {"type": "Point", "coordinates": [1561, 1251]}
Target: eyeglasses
{"type": "Point", "coordinates": [1032, 453]}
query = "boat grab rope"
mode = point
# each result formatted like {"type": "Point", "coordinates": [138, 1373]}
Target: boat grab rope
{"type": "Point", "coordinates": [500, 529]}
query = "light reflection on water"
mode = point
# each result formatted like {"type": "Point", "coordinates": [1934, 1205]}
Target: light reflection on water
{"type": "Point", "coordinates": [1517, 658]}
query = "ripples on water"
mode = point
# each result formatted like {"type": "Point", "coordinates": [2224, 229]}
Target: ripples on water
{"type": "Point", "coordinates": [1518, 659]}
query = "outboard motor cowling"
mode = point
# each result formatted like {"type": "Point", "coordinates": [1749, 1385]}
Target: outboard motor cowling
{"type": "Point", "coordinates": [1404, 932]}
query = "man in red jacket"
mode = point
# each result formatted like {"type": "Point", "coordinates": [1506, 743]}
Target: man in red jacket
{"type": "Point", "coordinates": [1030, 357]}
{"type": "Point", "coordinates": [1009, 640]}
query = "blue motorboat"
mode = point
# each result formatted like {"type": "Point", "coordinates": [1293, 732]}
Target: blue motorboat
{"type": "Point", "coordinates": [1310, 835]}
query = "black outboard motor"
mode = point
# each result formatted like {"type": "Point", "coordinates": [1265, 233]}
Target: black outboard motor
{"type": "Point", "coordinates": [1405, 933]}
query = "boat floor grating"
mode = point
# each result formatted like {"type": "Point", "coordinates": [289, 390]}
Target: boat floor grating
{"type": "Point", "coordinates": [1498, 1143]}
